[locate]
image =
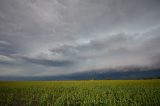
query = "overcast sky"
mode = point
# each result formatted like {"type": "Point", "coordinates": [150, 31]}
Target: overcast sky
{"type": "Point", "coordinates": [53, 37]}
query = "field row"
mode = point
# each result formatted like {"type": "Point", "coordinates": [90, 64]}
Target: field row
{"type": "Point", "coordinates": [81, 93]}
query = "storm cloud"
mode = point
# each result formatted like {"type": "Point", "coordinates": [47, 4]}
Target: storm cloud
{"type": "Point", "coordinates": [54, 37]}
{"type": "Point", "coordinates": [48, 62]}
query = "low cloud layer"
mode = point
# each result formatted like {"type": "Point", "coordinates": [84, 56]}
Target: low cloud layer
{"type": "Point", "coordinates": [54, 37]}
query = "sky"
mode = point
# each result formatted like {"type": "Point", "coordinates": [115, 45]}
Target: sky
{"type": "Point", "coordinates": [55, 37]}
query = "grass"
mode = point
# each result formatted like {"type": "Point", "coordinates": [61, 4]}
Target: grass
{"type": "Point", "coordinates": [81, 93]}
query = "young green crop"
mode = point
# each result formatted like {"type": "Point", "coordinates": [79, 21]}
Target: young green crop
{"type": "Point", "coordinates": [81, 93]}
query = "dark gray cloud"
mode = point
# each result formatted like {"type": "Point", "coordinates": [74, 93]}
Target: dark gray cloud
{"type": "Point", "coordinates": [7, 48]}
{"type": "Point", "coordinates": [65, 36]}
{"type": "Point", "coordinates": [45, 62]}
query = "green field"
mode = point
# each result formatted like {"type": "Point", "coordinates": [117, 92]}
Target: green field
{"type": "Point", "coordinates": [81, 93]}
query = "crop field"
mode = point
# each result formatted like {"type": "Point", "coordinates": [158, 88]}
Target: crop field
{"type": "Point", "coordinates": [81, 93]}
